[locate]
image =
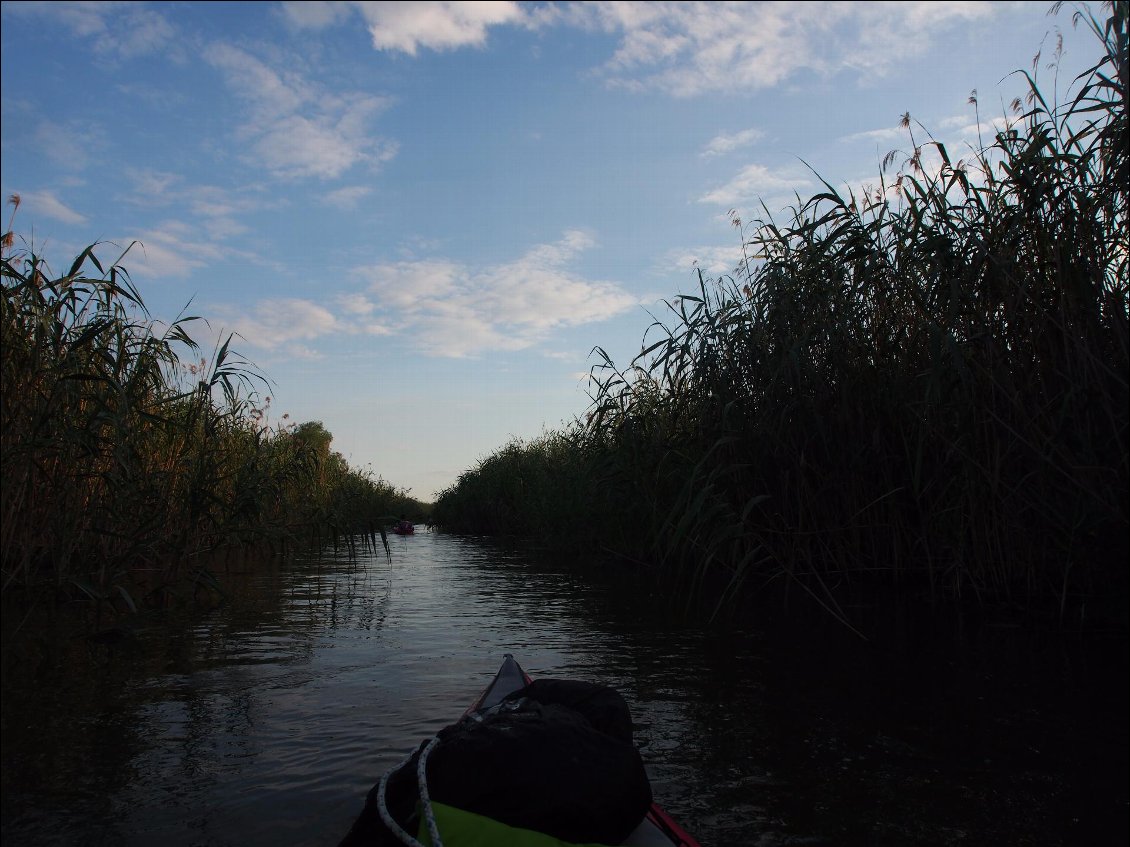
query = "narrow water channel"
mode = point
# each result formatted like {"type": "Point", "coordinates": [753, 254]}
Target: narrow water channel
{"type": "Point", "coordinates": [265, 720]}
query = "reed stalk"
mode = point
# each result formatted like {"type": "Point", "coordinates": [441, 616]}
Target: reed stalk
{"type": "Point", "coordinates": [921, 386]}
{"type": "Point", "coordinates": [128, 461]}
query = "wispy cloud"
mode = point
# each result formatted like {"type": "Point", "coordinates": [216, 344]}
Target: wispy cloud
{"type": "Point", "coordinates": [47, 204]}
{"type": "Point", "coordinates": [965, 126]}
{"type": "Point", "coordinates": [273, 324]}
{"type": "Point", "coordinates": [316, 14]}
{"type": "Point", "coordinates": [885, 134]}
{"type": "Point", "coordinates": [961, 135]}
{"type": "Point", "coordinates": [67, 146]}
{"type": "Point", "coordinates": [721, 144]}
{"type": "Point", "coordinates": [753, 183]}
{"type": "Point", "coordinates": [359, 315]}
{"type": "Point", "coordinates": [687, 49]}
{"type": "Point", "coordinates": [171, 249]}
{"type": "Point", "coordinates": [297, 128]}
{"type": "Point", "coordinates": [121, 30]}
{"type": "Point", "coordinates": [451, 309]}
{"type": "Point", "coordinates": [152, 187]}
{"type": "Point", "coordinates": [713, 260]}
{"type": "Point", "coordinates": [217, 209]}
{"type": "Point", "coordinates": [291, 325]}
{"type": "Point", "coordinates": [176, 248]}
{"type": "Point", "coordinates": [683, 49]}
{"type": "Point", "coordinates": [346, 198]}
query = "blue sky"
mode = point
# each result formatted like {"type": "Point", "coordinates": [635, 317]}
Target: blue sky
{"type": "Point", "coordinates": [420, 218]}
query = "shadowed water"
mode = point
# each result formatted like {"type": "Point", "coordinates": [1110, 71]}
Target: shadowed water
{"type": "Point", "coordinates": [267, 719]}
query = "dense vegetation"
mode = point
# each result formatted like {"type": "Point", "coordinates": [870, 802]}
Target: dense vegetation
{"type": "Point", "coordinates": [125, 469]}
{"type": "Point", "coordinates": [921, 386]}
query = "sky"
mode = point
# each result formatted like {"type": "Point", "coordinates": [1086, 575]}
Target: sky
{"type": "Point", "coordinates": [420, 219]}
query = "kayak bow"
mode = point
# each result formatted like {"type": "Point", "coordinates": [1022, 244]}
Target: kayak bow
{"type": "Point", "coordinates": [657, 829]}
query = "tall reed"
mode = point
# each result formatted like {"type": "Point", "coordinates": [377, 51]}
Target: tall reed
{"type": "Point", "coordinates": [538, 488]}
{"type": "Point", "coordinates": [923, 385]}
{"type": "Point", "coordinates": [124, 467]}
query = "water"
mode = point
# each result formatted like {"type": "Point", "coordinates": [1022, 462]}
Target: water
{"type": "Point", "coordinates": [268, 718]}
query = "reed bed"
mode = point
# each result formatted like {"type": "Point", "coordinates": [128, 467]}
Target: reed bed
{"type": "Point", "coordinates": [129, 461]}
{"type": "Point", "coordinates": [922, 386]}
{"type": "Point", "coordinates": [541, 488]}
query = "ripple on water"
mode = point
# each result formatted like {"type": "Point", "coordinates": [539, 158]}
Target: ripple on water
{"type": "Point", "coordinates": [266, 721]}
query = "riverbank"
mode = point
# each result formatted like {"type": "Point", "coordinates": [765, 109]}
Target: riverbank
{"type": "Point", "coordinates": [131, 463]}
{"type": "Point", "coordinates": [921, 389]}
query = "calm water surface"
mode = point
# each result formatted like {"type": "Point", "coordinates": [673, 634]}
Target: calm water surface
{"type": "Point", "coordinates": [266, 720]}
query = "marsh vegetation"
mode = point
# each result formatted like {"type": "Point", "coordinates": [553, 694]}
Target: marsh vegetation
{"type": "Point", "coordinates": [131, 464]}
{"type": "Point", "coordinates": [919, 386]}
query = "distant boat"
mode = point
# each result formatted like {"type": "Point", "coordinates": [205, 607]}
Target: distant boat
{"type": "Point", "coordinates": [404, 528]}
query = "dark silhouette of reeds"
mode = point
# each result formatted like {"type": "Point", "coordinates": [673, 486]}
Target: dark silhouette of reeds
{"type": "Point", "coordinates": [922, 385]}
{"type": "Point", "coordinates": [126, 469]}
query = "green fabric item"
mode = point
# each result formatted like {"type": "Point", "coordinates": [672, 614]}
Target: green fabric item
{"type": "Point", "coordinates": [458, 828]}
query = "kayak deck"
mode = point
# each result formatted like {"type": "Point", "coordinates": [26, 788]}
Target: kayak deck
{"type": "Point", "coordinates": [657, 829]}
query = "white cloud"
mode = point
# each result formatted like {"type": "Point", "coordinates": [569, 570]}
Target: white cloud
{"type": "Point", "coordinates": [714, 260]}
{"type": "Point", "coordinates": [277, 323]}
{"type": "Point", "coordinates": [359, 311]}
{"type": "Point", "coordinates": [450, 309]}
{"type": "Point", "coordinates": [885, 134]}
{"type": "Point", "coordinates": [271, 93]}
{"type": "Point", "coordinates": [408, 26]}
{"type": "Point", "coordinates": [439, 26]}
{"type": "Point", "coordinates": [298, 146]}
{"type": "Point", "coordinates": [296, 128]}
{"type": "Point", "coordinates": [47, 204]}
{"type": "Point", "coordinates": [954, 121]}
{"type": "Point", "coordinates": [725, 143]}
{"type": "Point", "coordinates": [686, 49]}
{"type": "Point", "coordinates": [170, 250]}
{"type": "Point", "coordinates": [290, 325]}
{"type": "Point", "coordinates": [682, 48]}
{"type": "Point", "coordinates": [962, 127]}
{"type": "Point", "coordinates": [753, 183]}
{"type": "Point", "coordinates": [404, 285]}
{"type": "Point", "coordinates": [174, 248]}
{"type": "Point", "coordinates": [357, 304]}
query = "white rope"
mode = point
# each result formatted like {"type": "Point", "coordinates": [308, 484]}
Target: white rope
{"type": "Point", "coordinates": [382, 807]}
{"type": "Point", "coordinates": [422, 783]}
{"type": "Point", "coordinates": [425, 800]}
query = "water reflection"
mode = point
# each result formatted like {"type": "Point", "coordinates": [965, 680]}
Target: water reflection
{"type": "Point", "coordinates": [265, 720]}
